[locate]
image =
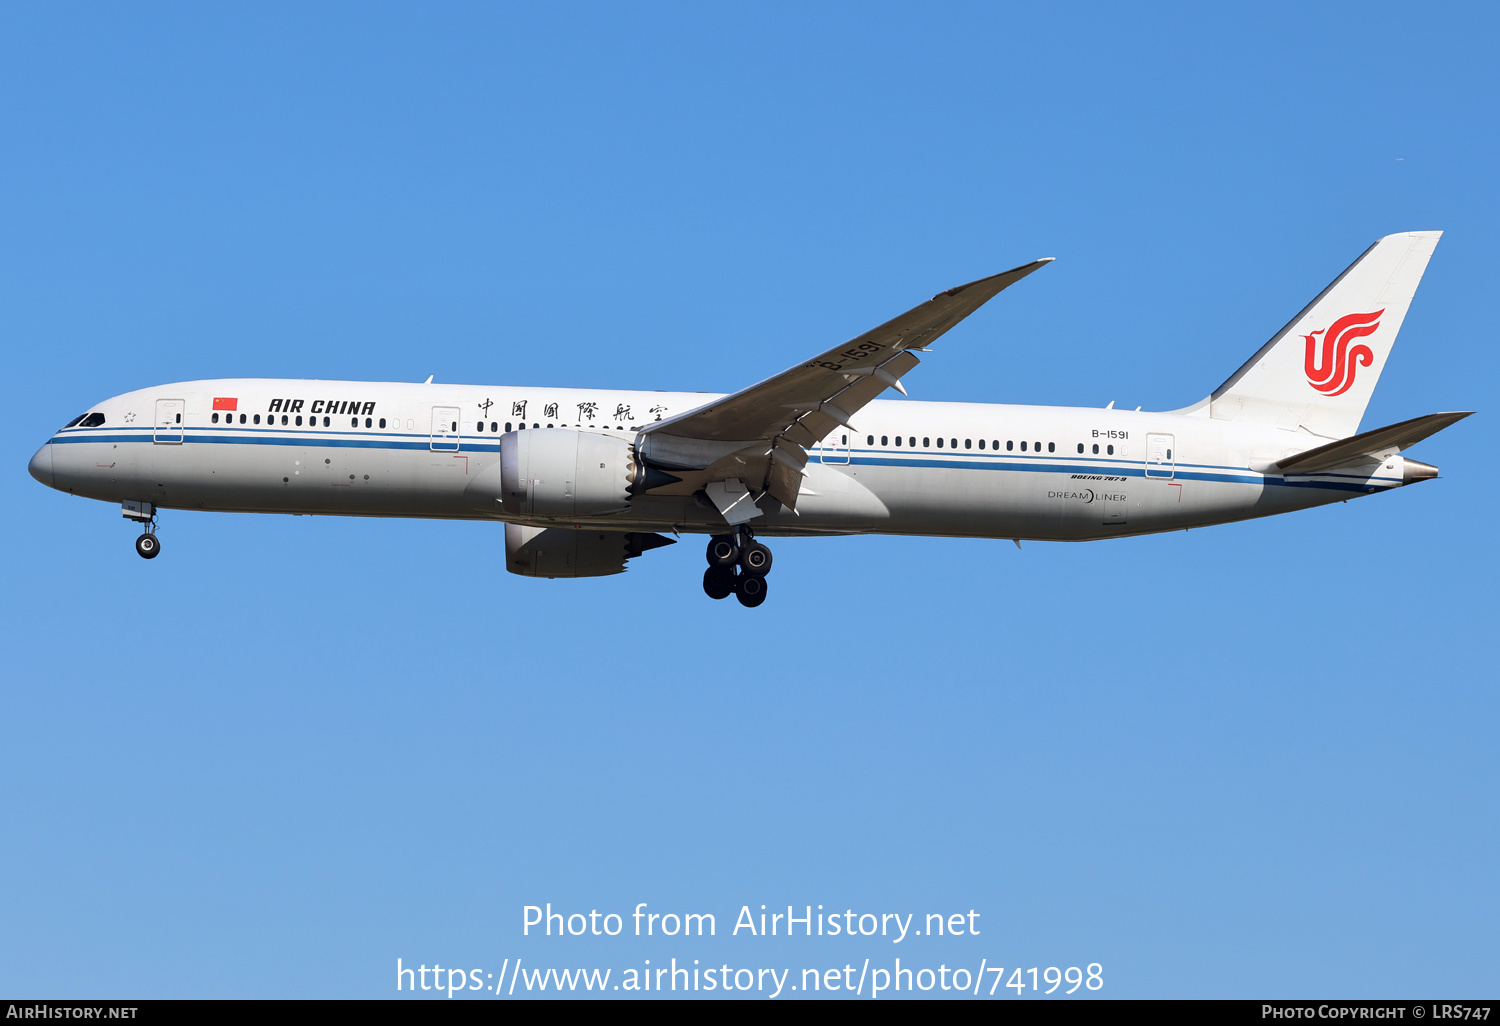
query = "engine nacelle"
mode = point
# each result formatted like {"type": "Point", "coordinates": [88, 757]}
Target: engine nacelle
{"type": "Point", "coordinates": [563, 552]}
{"type": "Point", "coordinates": [560, 472]}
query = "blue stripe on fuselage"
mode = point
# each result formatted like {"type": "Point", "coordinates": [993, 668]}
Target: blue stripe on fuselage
{"type": "Point", "coordinates": [867, 458]}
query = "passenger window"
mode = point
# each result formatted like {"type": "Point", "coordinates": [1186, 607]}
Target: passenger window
{"type": "Point", "coordinates": [299, 421]}
{"type": "Point", "coordinates": [257, 418]}
{"type": "Point", "coordinates": [870, 440]}
{"type": "Point", "coordinates": [1009, 446]}
{"type": "Point", "coordinates": [1096, 448]}
{"type": "Point", "coordinates": [179, 418]}
{"type": "Point", "coordinates": [940, 443]}
{"type": "Point", "coordinates": [1169, 454]}
{"type": "Point", "coordinates": [995, 444]}
{"type": "Point", "coordinates": [927, 443]}
{"type": "Point", "coordinates": [242, 418]}
{"type": "Point", "coordinates": [884, 440]}
{"type": "Point", "coordinates": [968, 443]}
{"type": "Point", "coordinates": [1037, 446]}
{"type": "Point", "coordinates": [521, 426]}
{"type": "Point", "coordinates": [1023, 446]}
{"type": "Point", "coordinates": [382, 423]}
{"type": "Point", "coordinates": [283, 420]}
{"type": "Point", "coordinates": [898, 441]}
{"type": "Point", "coordinates": [507, 425]}
{"type": "Point", "coordinates": [1080, 447]}
{"type": "Point", "coordinates": [214, 419]}
{"type": "Point", "coordinates": [1051, 446]}
{"type": "Point", "coordinates": [354, 422]}
{"type": "Point", "coordinates": [327, 422]}
{"type": "Point", "coordinates": [368, 421]}
{"type": "Point", "coordinates": [981, 443]}
{"type": "Point", "coordinates": [479, 425]}
{"type": "Point", "coordinates": [494, 426]}
{"type": "Point", "coordinates": [1110, 449]}
{"type": "Point", "coordinates": [845, 439]}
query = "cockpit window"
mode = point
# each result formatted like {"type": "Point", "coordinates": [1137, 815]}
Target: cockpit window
{"type": "Point", "coordinates": [92, 420]}
{"type": "Point", "coordinates": [75, 420]}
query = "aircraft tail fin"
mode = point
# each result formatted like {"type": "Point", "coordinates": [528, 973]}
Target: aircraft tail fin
{"type": "Point", "coordinates": [1317, 374]}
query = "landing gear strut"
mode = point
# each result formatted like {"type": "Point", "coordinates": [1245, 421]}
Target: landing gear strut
{"type": "Point", "coordinates": [148, 546]}
{"type": "Point", "coordinates": [737, 564]}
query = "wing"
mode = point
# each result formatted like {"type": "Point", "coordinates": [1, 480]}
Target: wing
{"type": "Point", "coordinates": [760, 435]}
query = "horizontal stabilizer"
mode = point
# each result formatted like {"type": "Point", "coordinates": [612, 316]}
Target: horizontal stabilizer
{"type": "Point", "coordinates": [1370, 445]}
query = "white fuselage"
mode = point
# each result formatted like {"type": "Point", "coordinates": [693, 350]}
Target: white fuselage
{"type": "Point", "coordinates": [904, 467]}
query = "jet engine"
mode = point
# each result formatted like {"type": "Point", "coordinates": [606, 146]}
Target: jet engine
{"type": "Point", "coordinates": [565, 473]}
{"type": "Point", "coordinates": [563, 552]}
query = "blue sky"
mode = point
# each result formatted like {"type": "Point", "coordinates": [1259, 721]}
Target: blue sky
{"type": "Point", "coordinates": [1251, 760]}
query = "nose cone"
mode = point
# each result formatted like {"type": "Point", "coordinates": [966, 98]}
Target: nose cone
{"type": "Point", "coordinates": [41, 465]}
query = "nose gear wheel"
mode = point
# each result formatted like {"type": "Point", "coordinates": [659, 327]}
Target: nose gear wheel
{"type": "Point", "coordinates": [148, 545]}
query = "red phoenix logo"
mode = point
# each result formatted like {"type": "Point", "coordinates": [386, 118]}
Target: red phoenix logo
{"type": "Point", "coordinates": [1331, 369]}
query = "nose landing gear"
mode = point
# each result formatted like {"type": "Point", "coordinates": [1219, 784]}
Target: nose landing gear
{"type": "Point", "coordinates": [147, 546]}
{"type": "Point", "coordinates": [737, 565]}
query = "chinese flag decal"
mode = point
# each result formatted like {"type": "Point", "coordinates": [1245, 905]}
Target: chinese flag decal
{"type": "Point", "coordinates": [226, 404]}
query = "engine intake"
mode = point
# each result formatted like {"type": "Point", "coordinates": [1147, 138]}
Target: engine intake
{"type": "Point", "coordinates": [560, 472]}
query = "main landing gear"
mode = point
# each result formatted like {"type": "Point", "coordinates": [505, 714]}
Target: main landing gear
{"type": "Point", "coordinates": [148, 545]}
{"type": "Point", "coordinates": [737, 565]}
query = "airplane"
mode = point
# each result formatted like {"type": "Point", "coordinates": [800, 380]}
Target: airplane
{"type": "Point", "coordinates": [585, 480]}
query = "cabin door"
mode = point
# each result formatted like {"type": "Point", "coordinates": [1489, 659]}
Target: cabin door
{"type": "Point", "coordinates": [835, 448]}
{"type": "Point", "coordinates": [169, 413]}
{"type": "Point", "coordinates": [1159, 458]}
{"type": "Point", "coordinates": [445, 428]}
